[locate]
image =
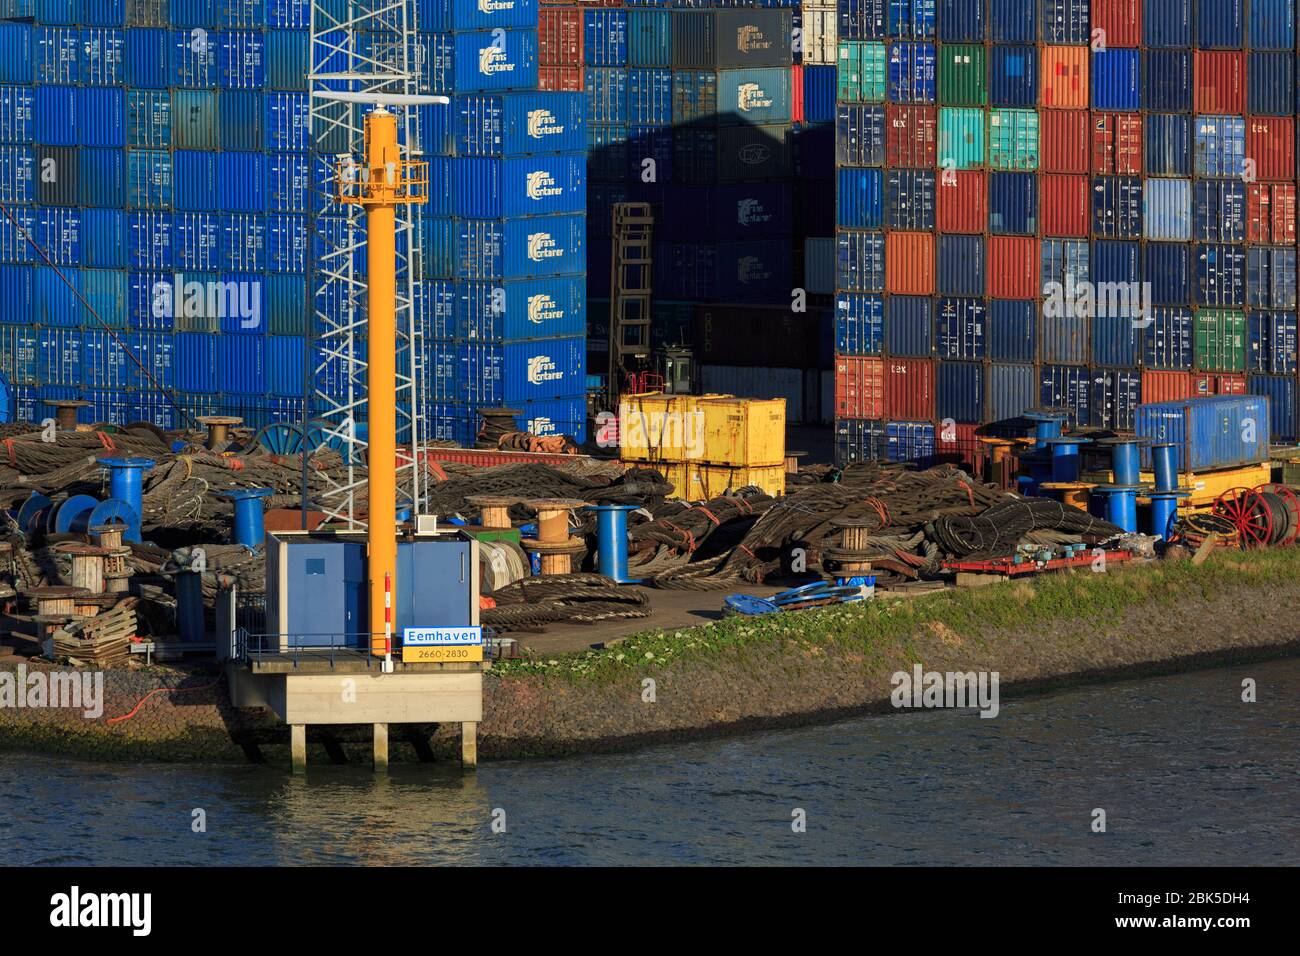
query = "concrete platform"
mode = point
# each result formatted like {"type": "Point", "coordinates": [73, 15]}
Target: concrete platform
{"type": "Point", "coordinates": [671, 609]}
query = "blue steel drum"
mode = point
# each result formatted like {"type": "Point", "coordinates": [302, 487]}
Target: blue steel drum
{"type": "Point", "coordinates": [71, 515]}
{"type": "Point", "coordinates": [116, 511]}
{"type": "Point", "coordinates": [281, 438]}
{"type": "Point", "coordinates": [30, 511]}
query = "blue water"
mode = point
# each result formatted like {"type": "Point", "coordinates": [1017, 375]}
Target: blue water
{"type": "Point", "coordinates": [1186, 772]}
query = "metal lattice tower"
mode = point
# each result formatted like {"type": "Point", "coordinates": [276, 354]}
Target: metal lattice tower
{"type": "Point", "coordinates": [359, 48]}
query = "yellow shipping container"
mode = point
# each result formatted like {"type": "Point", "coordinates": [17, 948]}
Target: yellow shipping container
{"type": "Point", "coordinates": [661, 428]}
{"type": "Point", "coordinates": [695, 482]}
{"type": "Point", "coordinates": [744, 431]}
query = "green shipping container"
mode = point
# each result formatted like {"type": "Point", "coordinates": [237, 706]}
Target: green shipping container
{"type": "Point", "coordinates": [961, 75]}
{"type": "Point", "coordinates": [1220, 340]}
{"type": "Point", "coordinates": [1013, 139]}
{"type": "Point", "coordinates": [961, 138]}
{"type": "Point", "coordinates": [862, 72]}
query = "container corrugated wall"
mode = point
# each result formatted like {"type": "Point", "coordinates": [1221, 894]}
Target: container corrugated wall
{"type": "Point", "coordinates": [176, 190]}
{"type": "Point", "coordinates": [1113, 211]}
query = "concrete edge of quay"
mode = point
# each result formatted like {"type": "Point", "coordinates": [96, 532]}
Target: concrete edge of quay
{"type": "Point", "coordinates": [188, 717]}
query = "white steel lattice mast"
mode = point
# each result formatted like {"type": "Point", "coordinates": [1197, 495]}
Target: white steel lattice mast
{"type": "Point", "coordinates": [362, 51]}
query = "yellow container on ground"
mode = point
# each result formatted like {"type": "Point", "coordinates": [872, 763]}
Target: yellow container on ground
{"type": "Point", "coordinates": [697, 482]}
{"type": "Point", "coordinates": [747, 432]}
{"type": "Point", "coordinates": [655, 427]}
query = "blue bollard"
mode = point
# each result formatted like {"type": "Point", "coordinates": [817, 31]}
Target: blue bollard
{"type": "Point", "coordinates": [250, 528]}
{"type": "Point", "coordinates": [126, 480]}
{"type": "Point", "coordinates": [1119, 505]}
{"type": "Point", "coordinates": [189, 606]}
{"type": "Point", "coordinates": [1046, 425]}
{"type": "Point", "coordinates": [611, 540]}
{"type": "Point", "coordinates": [1065, 456]}
{"type": "Point", "coordinates": [1164, 512]}
{"type": "Point", "coordinates": [1125, 462]}
{"type": "Point", "coordinates": [1162, 461]}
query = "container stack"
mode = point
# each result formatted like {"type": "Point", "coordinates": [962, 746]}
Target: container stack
{"type": "Point", "coordinates": [160, 153]}
{"type": "Point", "coordinates": [1060, 203]}
{"type": "Point", "coordinates": [690, 108]}
{"type": "Point", "coordinates": [813, 139]}
{"type": "Point", "coordinates": [504, 232]}
{"type": "Point", "coordinates": [159, 161]}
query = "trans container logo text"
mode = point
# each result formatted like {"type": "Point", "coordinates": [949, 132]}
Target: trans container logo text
{"type": "Point", "coordinates": [750, 212]}
{"type": "Point", "coordinates": [542, 246]}
{"type": "Point", "coordinates": [751, 38]}
{"type": "Point", "coordinates": [751, 96]}
{"type": "Point", "coordinates": [542, 123]}
{"type": "Point", "coordinates": [542, 307]}
{"type": "Point", "coordinates": [493, 60]}
{"type": "Point", "coordinates": [541, 368]}
{"type": "Point", "coordinates": [492, 6]}
{"type": "Point", "coordinates": [542, 184]}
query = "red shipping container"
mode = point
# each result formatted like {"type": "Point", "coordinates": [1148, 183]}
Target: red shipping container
{"type": "Point", "coordinates": [1270, 213]}
{"type": "Point", "coordinates": [909, 390]}
{"type": "Point", "coordinates": [562, 79]}
{"type": "Point", "coordinates": [1117, 144]}
{"type": "Point", "coordinates": [1167, 386]}
{"type": "Point", "coordinates": [959, 444]}
{"type": "Point", "coordinates": [909, 263]}
{"type": "Point", "coordinates": [1216, 383]}
{"type": "Point", "coordinates": [859, 386]}
{"type": "Point", "coordinates": [1220, 81]}
{"type": "Point", "coordinates": [1064, 77]}
{"type": "Point", "coordinates": [911, 136]}
{"type": "Point", "coordinates": [962, 201]}
{"type": "Point", "coordinates": [796, 93]}
{"type": "Point", "coordinates": [1063, 141]}
{"type": "Point", "coordinates": [1013, 267]}
{"type": "Point", "coordinates": [1120, 21]}
{"type": "Point", "coordinates": [1064, 202]}
{"type": "Point", "coordinates": [559, 36]}
{"type": "Point", "coordinates": [1270, 145]}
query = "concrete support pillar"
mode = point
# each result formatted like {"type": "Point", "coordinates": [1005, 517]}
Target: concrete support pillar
{"type": "Point", "coordinates": [381, 748]}
{"type": "Point", "coordinates": [298, 748]}
{"type": "Point", "coordinates": [469, 745]}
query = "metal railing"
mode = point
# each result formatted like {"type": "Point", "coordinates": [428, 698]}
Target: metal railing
{"type": "Point", "coordinates": [250, 648]}
{"type": "Point", "coordinates": [328, 647]}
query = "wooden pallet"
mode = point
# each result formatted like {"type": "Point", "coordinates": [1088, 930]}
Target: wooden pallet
{"type": "Point", "coordinates": [104, 639]}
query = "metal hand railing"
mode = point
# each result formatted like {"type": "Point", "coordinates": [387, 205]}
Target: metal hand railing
{"type": "Point", "coordinates": [299, 647]}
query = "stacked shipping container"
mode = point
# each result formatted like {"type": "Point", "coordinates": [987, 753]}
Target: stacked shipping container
{"type": "Point", "coordinates": [1061, 203]}
{"type": "Point", "coordinates": [690, 108]}
{"type": "Point", "coordinates": [160, 154]}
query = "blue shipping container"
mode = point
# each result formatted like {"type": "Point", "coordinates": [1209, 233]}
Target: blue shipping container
{"type": "Point", "coordinates": [1222, 431]}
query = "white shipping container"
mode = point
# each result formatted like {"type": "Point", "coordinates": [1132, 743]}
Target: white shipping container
{"type": "Point", "coordinates": [817, 39]}
{"type": "Point", "coordinates": [819, 265]}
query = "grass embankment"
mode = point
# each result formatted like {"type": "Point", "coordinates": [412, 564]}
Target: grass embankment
{"type": "Point", "coordinates": [868, 629]}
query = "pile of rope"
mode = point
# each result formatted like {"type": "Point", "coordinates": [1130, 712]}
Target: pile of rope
{"type": "Point", "coordinates": [912, 523]}
{"type": "Point", "coordinates": [547, 444]}
{"type": "Point", "coordinates": [497, 423]}
{"type": "Point", "coordinates": [996, 532]}
{"type": "Point", "coordinates": [637, 486]}
{"type": "Point", "coordinates": [578, 598]}
{"type": "Point", "coordinates": [682, 530]}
